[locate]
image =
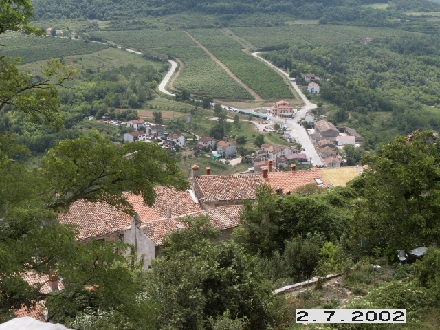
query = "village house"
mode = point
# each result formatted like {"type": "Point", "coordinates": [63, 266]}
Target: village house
{"type": "Point", "coordinates": [49, 31]}
{"type": "Point", "coordinates": [327, 152]}
{"type": "Point", "coordinates": [308, 77]}
{"type": "Point", "coordinates": [176, 139]}
{"type": "Point", "coordinates": [135, 136]}
{"type": "Point", "coordinates": [226, 149]}
{"type": "Point", "coordinates": [326, 130]}
{"type": "Point", "coordinates": [350, 131]}
{"type": "Point", "coordinates": [309, 118]}
{"type": "Point", "coordinates": [206, 142]}
{"type": "Point", "coordinates": [326, 143]}
{"type": "Point", "coordinates": [298, 158]}
{"type": "Point", "coordinates": [333, 162]}
{"type": "Point", "coordinates": [313, 88]}
{"type": "Point", "coordinates": [136, 124]}
{"type": "Point", "coordinates": [282, 109]}
{"type": "Point", "coordinates": [157, 130]}
{"type": "Point", "coordinates": [346, 139]}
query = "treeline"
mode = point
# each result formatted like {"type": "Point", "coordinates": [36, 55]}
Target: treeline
{"type": "Point", "coordinates": [122, 9]}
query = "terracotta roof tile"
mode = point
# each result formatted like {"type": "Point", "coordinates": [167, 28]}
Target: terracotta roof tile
{"type": "Point", "coordinates": [95, 219]}
{"type": "Point", "coordinates": [226, 187]}
{"type": "Point", "coordinates": [223, 218]}
{"type": "Point", "coordinates": [290, 181]}
{"type": "Point", "coordinates": [223, 144]}
{"type": "Point", "coordinates": [179, 202]}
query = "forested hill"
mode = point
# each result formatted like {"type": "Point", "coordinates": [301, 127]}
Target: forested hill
{"type": "Point", "coordinates": [117, 9]}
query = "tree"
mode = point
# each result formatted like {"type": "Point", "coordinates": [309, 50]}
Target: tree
{"type": "Point", "coordinates": [237, 122]}
{"type": "Point", "coordinates": [353, 154]}
{"type": "Point", "coordinates": [276, 126]}
{"type": "Point", "coordinates": [400, 195]}
{"type": "Point", "coordinates": [259, 140]}
{"type": "Point", "coordinates": [241, 139]}
{"type": "Point", "coordinates": [217, 109]}
{"type": "Point", "coordinates": [199, 280]}
{"type": "Point", "coordinates": [206, 102]}
{"type": "Point", "coordinates": [157, 117]}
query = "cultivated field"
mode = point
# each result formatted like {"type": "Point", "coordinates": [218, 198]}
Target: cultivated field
{"type": "Point", "coordinates": [202, 76]}
{"type": "Point", "coordinates": [32, 49]}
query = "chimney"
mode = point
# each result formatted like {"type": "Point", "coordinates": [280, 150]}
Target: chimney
{"type": "Point", "coordinates": [293, 167]}
{"type": "Point", "coordinates": [168, 212]}
{"type": "Point", "coordinates": [270, 165]}
{"type": "Point", "coordinates": [264, 173]}
{"type": "Point", "coordinates": [53, 282]}
{"type": "Point", "coordinates": [208, 170]}
{"type": "Point", "coordinates": [194, 170]}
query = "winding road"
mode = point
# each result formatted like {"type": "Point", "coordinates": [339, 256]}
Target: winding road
{"type": "Point", "coordinates": [167, 78]}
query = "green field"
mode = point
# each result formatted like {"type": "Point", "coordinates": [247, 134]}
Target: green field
{"type": "Point", "coordinates": [32, 49]}
{"type": "Point", "coordinates": [147, 39]}
{"type": "Point", "coordinates": [202, 76]}
{"type": "Point", "coordinates": [254, 73]}
{"type": "Point", "coordinates": [313, 34]}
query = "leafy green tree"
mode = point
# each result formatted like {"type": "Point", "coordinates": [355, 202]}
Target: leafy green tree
{"type": "Point", "coordinates": [241, 139]}
{"type": "Point", "coordinates": [400, 195]}
{"type": "Point", "coordinates": [237, 123]}
{"type": "Point", "coordinates": [259, 140]}
{"type": "Point", "coordinates": [199, 280]}
{"type": "Point", "coordinates": [353, 154]}
{"type": "Point", "coordinates": [93, 168]}
{"type": "Point", "coordinates": [217, 109]}
{"type": "Point", "coordinates": [157, 117]}
{"type": "Point", "coordinates": [206, 102]}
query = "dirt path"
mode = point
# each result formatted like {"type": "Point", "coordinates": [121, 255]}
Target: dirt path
{"type": "Point", "coordinates": [247, 45]}
{"type": "Point", "coordinates": [224, 67]}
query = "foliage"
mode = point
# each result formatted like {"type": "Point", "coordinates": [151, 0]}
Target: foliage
{"type": "Point", "coordinates": [400, 195]}
{"type": "Point", "coordinates": [157, 117]}
{"type": "Point", "coordinates": [93, 168]}
{"type": "Point", "coordinates": [259, 140]}
{"type": "Point", "coordinates": [200, 280]}
{"type": "Point", "coordinates": [36, 96]}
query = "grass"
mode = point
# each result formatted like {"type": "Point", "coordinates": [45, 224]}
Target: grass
{"type": "Point", "coordinates": [32, 49]}
{"type": "Point", "coordinates": [377, 6]}
{"type": "Point", "coordinates": [108, 59]}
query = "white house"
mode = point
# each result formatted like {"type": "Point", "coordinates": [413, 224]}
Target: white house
{"type": "Point", "coordinates": [135, 136]}
{"type": "Point", "coordinates": [206, 142]}
{"type": "Point", "coordinates": [308, 77]}
{"type": "Point", "coordinates": [226, 149]}
{"type": "Point", "coordinates": [313, 88]}
{"type": "Point", "coordinates": [177, 139]}
{"type": "Point", "coordinates": [136, 124]}
{"type": "Point", "coordinates": [346, 139]}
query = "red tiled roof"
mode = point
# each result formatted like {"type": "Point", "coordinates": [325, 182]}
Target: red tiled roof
{"type": "Point", "coordinates": [95, 219]}
{"type": "Point", "coordinates": [137, 133]}
{"type": "Point", "coordinates": [137, 121]}
{"type": "Point", "coordinates": [174, 136]}
{"type": "Point", "coordinates": [206, 139]}
{"type": "Point", "coordinates": [290, 181]}
{"type": "Point", "coordinates": [179, 202]}
{"type": "Point", "coordinates": [223, 143]}
{"type": "Point", "coordinates": [223, 218]}
{"type": "Point", "coordinates": [226, 187]}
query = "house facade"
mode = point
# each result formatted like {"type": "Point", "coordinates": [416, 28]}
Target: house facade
{"type": "Point", "coordinates": [346, 139]}
{"type": "Point", "coordinates": [226, 149]}
{"type": "Point", "coordinates": [136, 124]}
{"type": "Point", "coordinates": [135, 136]}
{"type": "Point", "coordinates": [206, 142]}
{"type": "Point", "coordinates": [177, 139]}
{"type": "Point", "coordinates": [313, 88]}
{"type": "Point", "coordinates": [327, 130]}
{"type": "Point", "coordinates": [282, 109]}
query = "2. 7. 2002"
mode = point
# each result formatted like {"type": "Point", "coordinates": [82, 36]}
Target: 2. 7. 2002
{"type": "Point", "coordinates": [351, 316]}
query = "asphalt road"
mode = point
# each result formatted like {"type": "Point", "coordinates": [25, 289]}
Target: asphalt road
{"type": "Point", "coordinates": [302, 136]}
